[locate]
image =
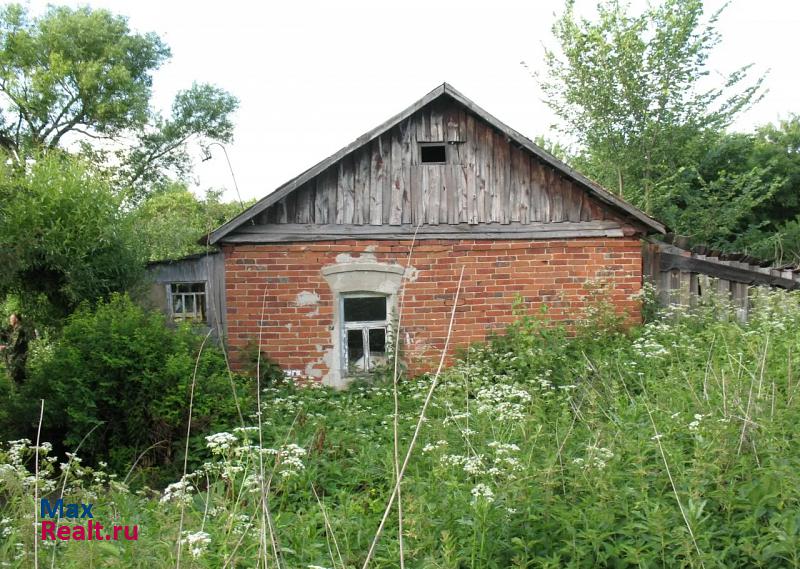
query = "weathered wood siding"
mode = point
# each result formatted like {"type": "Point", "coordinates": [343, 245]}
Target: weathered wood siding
{"type": "Point", "coordinates": [209, 269]}
{"type": "Point", "coordinates": [684, 277]}
{"type": "Point", "coordinates": [486, 180]}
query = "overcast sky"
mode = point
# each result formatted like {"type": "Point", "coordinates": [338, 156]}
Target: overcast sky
{"type": "Point", "coordinates": [313, 76]}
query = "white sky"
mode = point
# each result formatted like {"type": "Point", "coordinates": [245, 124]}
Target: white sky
{"type": "Point", "coordinates": [313, 76]}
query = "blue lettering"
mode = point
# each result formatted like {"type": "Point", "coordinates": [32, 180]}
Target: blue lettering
{"type": "Point", "coordinates": [56, 508]}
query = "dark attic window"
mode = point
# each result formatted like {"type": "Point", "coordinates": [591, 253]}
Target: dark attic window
{"type": "Point", "coordinates": [433, 154]}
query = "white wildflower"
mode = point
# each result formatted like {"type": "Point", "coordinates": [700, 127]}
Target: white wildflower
{"type": "Point", "coordinates": [482, 492]}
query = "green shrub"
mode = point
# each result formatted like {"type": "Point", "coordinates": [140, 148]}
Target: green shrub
{"type": "Point", "coordinates": [119, 370]}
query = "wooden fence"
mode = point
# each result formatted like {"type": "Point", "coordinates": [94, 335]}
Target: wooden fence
{"type": "Point", "coordinates": [683, 276]}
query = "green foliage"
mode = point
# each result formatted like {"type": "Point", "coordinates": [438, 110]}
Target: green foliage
{"type": "Point", "coordinates": [201, 112]}
{"type": "Point", "coordinates": [673, 445]}
{"type": "Point", "coordinates": [171, 222]}
{"type": "Point", "coordinates": [122, 370]}
{"type": "Point", "coordinates": [72, 70]}
{"type": "Point", "coordinates": [64, 238]}
{"type": "Point", "coordinates": [629, 88]}
{"type": "Point", "coordinates": [83, 75]}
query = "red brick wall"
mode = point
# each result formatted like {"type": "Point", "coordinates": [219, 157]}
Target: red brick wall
{"type": "Point", "coordinates": [263, 283]}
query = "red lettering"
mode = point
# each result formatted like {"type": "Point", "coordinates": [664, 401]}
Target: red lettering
{"type": "Point", "coordinates": [134, 534]}
{"type": "Point", "coordinates": [48, 528]}
{"type": "Point", "coordinates": [79, 533]}
{"type": "Point", "coordinates": [116, 532]}
{"type": "Point", "coordinates": [64, 533]}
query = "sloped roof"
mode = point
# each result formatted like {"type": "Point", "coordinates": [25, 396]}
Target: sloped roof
{"type": "Point", "coordinates": [444, 90]}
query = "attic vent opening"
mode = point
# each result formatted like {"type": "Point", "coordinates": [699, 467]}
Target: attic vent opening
{"type": "Point", "coordinates": [433, 154]}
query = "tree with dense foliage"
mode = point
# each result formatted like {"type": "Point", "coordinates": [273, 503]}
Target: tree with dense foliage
{"type": "Point", "coordinates": [170, 222]}
{"type": "Point", "coordinates": [82, 76]}
{"type": "Point", "coordinates": [743, 194]}
{"type": "Point", "coordinates": [630, 90]}
{"type": "Point", "coordinates": [64, 236]}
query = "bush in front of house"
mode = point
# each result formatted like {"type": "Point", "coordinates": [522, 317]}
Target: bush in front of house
{"type": "Point", "coordinates": [117, 382]}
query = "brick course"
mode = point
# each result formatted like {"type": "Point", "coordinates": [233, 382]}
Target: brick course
{"type": "Point", "coordinates": [263, 284]}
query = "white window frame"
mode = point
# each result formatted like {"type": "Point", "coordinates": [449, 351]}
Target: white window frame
{"type": "Point", "coordinates": [365, 326]}
{"type": "Point", "coordinates": [358, 277]}
{"type": "Point", "coordinates": [195, 315]}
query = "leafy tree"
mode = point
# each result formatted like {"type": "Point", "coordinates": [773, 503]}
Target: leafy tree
{"type": "Point", "coordinates": [628, 88]}
{"type": "Point", "coordinates": [83, 76]}
{"type": "Point", "coordinates": [170, 223]}
{"type": "Point", "coordinates": [64, 237]}
{"type": "Point", "coordinates": [743, 194]}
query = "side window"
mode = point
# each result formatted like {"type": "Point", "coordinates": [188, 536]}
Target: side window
{"type": "Point", "coordinates": [364, 326]}
{"type": "Point", "coordinates": [188, 301]}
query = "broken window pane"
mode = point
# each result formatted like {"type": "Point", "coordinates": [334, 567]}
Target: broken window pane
{"type": "Point", "coordinates": [355, 349]}
{"type": "Point", "coordinates": [363, 309]}
{"type": "Point", "coordinates": [377, 342]}
{"type": "Point", "coordinates": [188, 301]}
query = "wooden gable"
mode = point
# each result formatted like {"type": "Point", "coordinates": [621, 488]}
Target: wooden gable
{"type": "Point", "coordinates": [489, 183]}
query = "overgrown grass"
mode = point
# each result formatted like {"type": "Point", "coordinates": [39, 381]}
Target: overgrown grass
{"type": "Point", "coordinates": [674, 445]}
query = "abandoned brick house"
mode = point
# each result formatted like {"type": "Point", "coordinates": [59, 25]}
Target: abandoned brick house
{"type": "Point", "coordinates": [314, 270]}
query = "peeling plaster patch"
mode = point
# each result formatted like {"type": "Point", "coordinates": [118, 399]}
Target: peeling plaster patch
{"type": "Point", "coordinates": [411, 274]}
{"type": "Point", "coordinates": [311, 371]}
{"type": "Point", "coordinates": [289, 326]}
{"type": "Point", "coordinates": [367, 257]}
{"type": "Point", "coordinates": [307, 298]}
{"type": "Point", "coordinates": [370, 248]}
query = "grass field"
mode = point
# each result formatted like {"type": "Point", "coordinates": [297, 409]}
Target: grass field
{"type": "Point", "coordinates": [672, 445]}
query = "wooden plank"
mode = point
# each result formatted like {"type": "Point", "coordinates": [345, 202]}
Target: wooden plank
{"type": "Point", "coordinates": [291, 208]}
{"type": "Point", "coordinates": [422, 122]}
{"type": "Point", "coordinates": [331, 177]}
{"type": "Point", "coordinates": [454, 195]}
{"type": "Point", "coordinates": [407, 148]}
{"type": "Point", "coordinates": [398, 178]}
{"type": "Point", "coordinates": [305, 209]}
{"type": "Point", "coordinates": [320, 200]}
{"type": "Point", "coordinates": [378, 180]}
{"type": "Point", "coordinates": [540, 200]}
{"type": "Point", "coordinates": [573, 199]}
{"type": "Point", "coordinates": [424, 194]}
{"type": "Point", "coordinates": [469, 167]}
{"type": "Point", "coordinates": [501, 168]}
{"type": "Point", "coordinates": [436, 127]}
{"type": "Point", "coordinates": [433, 175]}
{"type": "Point", "coordinates": [361, 185]}
{"type": "Point", "coordinates": [553, 185]}
{"type": "Point", "coordinates": [455, 124]}
{"type": "Point", "coordinates": [493, 195]}
{"type": "Point", "coordinates": [313, 232]}
{"type": "Point", "coordinates": [417, 208]}
{"type": "Point", "coordinates": [725, 273]}
{"type": "Point", "coordinates": [345, 212]}
{"type": "Point", "coordinates": [483, 171]}
{"type": "Point", "coordinates": [520, 192]}
{"type": "Point", "coordinates": [461, 228]}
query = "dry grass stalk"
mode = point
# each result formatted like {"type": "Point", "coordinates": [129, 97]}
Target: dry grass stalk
{"type": "Point", "coordinates": [36, 491]}
{"type": "Point", "coordinates": [64, 483]}
{"type": "Point", "coordinates": [395, 378]}
{"type": "Point", "coordinates": [186, 448]}
{"type": "Point", "coordinates": [329, 532]}
{"type": "Point", "coordinates": [417, 429]}
{"type": "Point", "coordinates": [657, 438]}
{"type": "Point", "coordinates": [265, 513]}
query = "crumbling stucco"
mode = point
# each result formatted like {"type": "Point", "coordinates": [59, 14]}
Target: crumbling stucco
{"type": "Point", "coordinates": [307, 298]}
